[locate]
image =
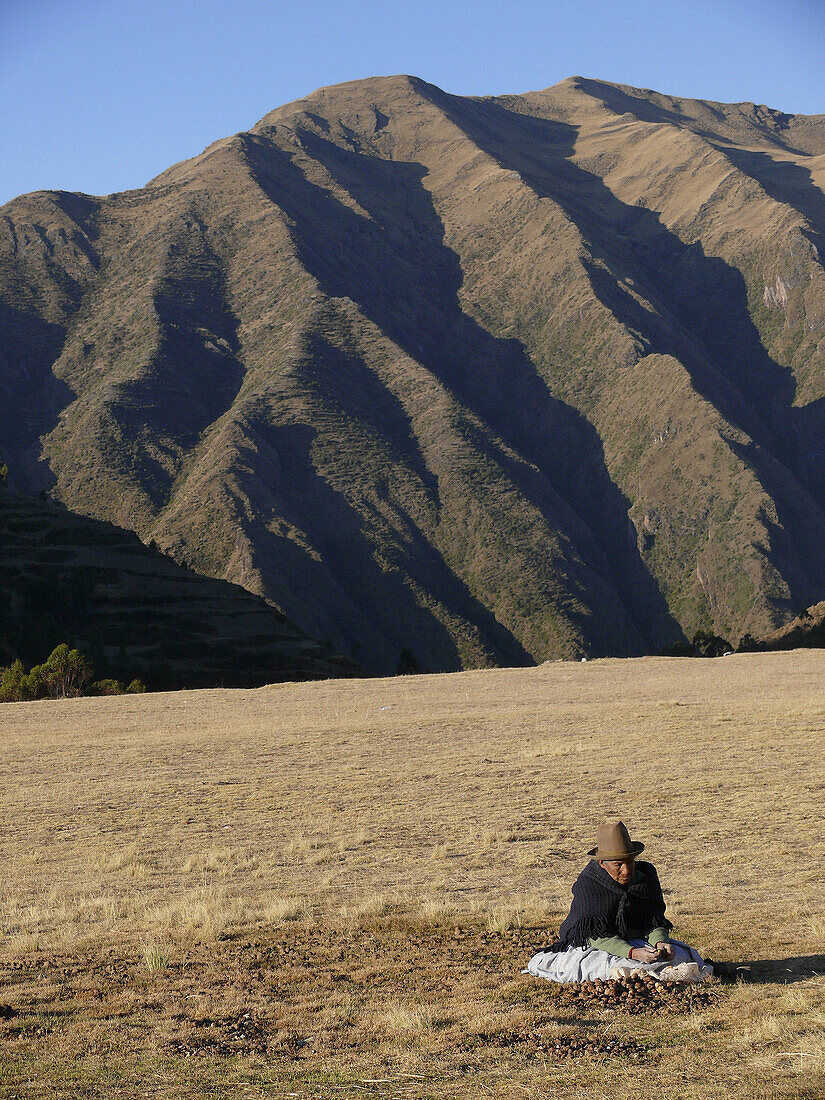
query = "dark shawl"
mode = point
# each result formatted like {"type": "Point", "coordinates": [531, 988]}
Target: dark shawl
{"type": "Point", "coordinates": [601, 907]}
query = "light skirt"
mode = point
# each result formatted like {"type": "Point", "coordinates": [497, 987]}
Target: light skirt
{"type": "Point", "coordinates": [586, 964]}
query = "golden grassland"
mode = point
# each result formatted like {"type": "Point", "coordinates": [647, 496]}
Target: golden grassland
{"type": "Point", "coordinates": [330, 889]}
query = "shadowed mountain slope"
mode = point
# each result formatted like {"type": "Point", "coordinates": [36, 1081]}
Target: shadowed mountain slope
{"type": "Point", "coordinates": [806, 631]}
{"type": "Point", "coordinates": [483, 380]}
{"type": "Point", "coordinates": [134, 611]}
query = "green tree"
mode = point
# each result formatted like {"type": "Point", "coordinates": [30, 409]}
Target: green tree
{"type": "Point", "coordinates": [32, 686]}
{"type": "Point", "coordinates": [107, 687]}
{"type": "Point", "coordinates": [11, 682]}
{"type": "Point", "coordinates": [66, 673]}
{"type": "Point", "coordinates": [706, 644]}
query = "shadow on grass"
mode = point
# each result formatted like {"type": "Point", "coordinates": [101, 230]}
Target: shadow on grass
{"type": "Point", "coordinates": [779, 971]}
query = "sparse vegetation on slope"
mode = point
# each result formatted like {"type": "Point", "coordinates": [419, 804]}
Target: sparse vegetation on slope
{"type": "Point", "coordinates": [482, 380]}
{"type": "Point", "coordinates": [806, 631]}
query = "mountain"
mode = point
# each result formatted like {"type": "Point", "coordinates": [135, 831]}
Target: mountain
{"type": "Point", "coordinates": [451, 381]}
{"type": "Point", "coordinates": [135, 612]}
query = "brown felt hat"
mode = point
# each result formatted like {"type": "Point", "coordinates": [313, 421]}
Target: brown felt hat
{"type": "Point", "coordinates": [613, 842]}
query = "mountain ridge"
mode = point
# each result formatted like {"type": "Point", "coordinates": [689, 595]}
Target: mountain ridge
{"type": "Point", "coordinates": [490, 379]}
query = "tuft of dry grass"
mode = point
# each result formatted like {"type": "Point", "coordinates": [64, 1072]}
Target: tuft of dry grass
{"type": "Point", "coordinates": [815, 923]}
{"type": "Point", "coordinates": [361, 913]}
{"type": "Point", "coordinates": [277, 910]}
{"type": "Point", "coordinates": [129, 859]}
{"type": "Point", "coordinates": [503, 918]}
{"type": "Point", "coordinates": [21, 943]}
{"type": "Point", "coordinates": [156, 956]}
{"type": "Point", "coordinates": [438, 912]}
{"type": "Point", "coordinates": [404, 1019]}
{"type": "Point", "coordinates": [204, 914]}
{"type": "Point", "coordinates": [222, 859]}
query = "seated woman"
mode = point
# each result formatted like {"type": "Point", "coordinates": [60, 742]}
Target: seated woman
{"type": "Point", "coordinates": [617, 922]}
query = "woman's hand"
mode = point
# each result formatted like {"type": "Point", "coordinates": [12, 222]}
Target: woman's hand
{"type": "Point", "coordinates": [664, 950]}
{"type": "Point", "coordinates": [644, 954]}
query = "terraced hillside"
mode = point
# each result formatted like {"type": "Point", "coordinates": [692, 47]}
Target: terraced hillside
{"type": "Point", "coordinates": [486, 380]}
{"type": "Point", "coordinates": [134, 611]}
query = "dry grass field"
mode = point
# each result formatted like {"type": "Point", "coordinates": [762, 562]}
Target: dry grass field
{"type": "Point", "coordinates": [330, 889]}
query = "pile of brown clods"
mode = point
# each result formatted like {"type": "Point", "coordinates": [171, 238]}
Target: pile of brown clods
{"type": "Point", "coordinates": [637, 993]}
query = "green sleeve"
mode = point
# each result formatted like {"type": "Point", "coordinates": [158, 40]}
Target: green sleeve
{"type": "Point", "coordinates": [657, 935]}
{"type": "Point", "coordinates": [615, 945]}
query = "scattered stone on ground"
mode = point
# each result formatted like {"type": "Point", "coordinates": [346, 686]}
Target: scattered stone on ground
{"type": "Point", "coordinates": [241, 1034]}
{"type": "Point", "coordinates": [264, 997]}
{"type": "Point", "coordinates": [637, 993]}
{"type": "Point", "coordinates": [572, 1046]}
{"type": "Point", "coordinates": [536, 1041]}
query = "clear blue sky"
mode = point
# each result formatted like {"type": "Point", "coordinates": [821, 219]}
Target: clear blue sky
{"type": "Point", "coordinates": [101, 95]}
